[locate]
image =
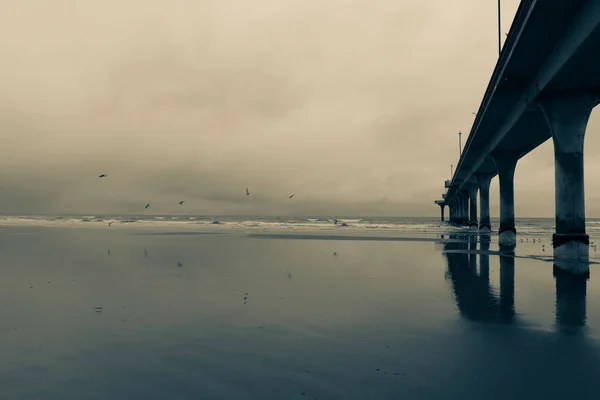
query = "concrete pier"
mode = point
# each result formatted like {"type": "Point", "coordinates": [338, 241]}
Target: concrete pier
{"type": "Point", "coordinates": [483, 180]}
{"type": "Point", "coordinates": [567, 116]}
{"type": "Point", "coordinates": [531, 97]}
{"type": "Point", "coordinates": [506, 163]}
{"type": "Point", "coordinates": [442, 206]}
{"type": "Point", "coordinates": [472, 190]}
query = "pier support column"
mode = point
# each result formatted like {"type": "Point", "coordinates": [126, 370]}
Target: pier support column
{"type": "Point", "coordinates": [483, 180]}
{"type": "Point", "coordinates": [472, 190]}
{"type": "Point", "coordinates": [465, 207]}
{"type": "Point", "coordinates": [442, 211]}
{"type": "Point", "coordinates": [456, 210]}
{"type": "Point", "coordinates": [567, 116]}
{"type": "Point", "coordinates": [461, 209]}
{"type": "Point", "coordinates": [506, 164]}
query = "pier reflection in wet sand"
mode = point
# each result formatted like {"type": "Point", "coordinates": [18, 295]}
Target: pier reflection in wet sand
{"type": "Point", "coordinates": [477, 300]}
{"type": "Point", "coordinates": [570, 302]}
{"type": "Point", "coordinates": [474, 296]}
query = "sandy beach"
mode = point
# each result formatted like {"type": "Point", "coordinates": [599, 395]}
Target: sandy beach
{"type": "Point", "coordinates": [153, 314]}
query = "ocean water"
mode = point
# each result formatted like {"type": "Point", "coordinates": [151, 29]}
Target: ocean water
{"type": "Point", "coordinates": [157, 307]}
{"type": "Point", "coordinates": [528, 226]}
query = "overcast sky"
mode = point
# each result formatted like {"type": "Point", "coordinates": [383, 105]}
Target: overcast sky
{"type": "Point", "coordinates": [353, 105]}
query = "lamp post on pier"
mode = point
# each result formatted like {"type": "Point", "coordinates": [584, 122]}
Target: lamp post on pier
{"type": "Point", "coordinates": [499, 40]}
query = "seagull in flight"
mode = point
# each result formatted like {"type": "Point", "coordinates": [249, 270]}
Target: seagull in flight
{"type": "Point", "coordinates": [147, 205]}
{"type": "Point", "coordinates": [247, 192]}
{"type": "Point", "coordinates": [181, 202]}
{"type": "Point", "coordinates": [291, 196]}
{"type": "Point", "coordinates": [102, 176]}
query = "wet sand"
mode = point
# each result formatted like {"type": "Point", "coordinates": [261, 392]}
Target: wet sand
{"type": "Point", "coordinates": [148, 314]}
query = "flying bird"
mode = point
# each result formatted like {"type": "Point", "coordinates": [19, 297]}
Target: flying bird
{"type": "Point", "coordinates": [102, 176]}
{"type": "Point", "coordinates": [147, 205]}
{"type": "Point", "coordinates": [291, 196]}
{"type": "Point", "coordinates": [247, 192]}
{"type": "Point", "coordinates": [110, 223]}
{"type": "Point", "coordinates": [181, 202]}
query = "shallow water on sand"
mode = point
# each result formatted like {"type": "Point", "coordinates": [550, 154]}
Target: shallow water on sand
{"type": "Point", "coordinates": [162, 314]}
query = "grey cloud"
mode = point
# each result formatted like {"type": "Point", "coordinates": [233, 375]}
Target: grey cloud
{"type": "Point", "coordinates": [352, 105]}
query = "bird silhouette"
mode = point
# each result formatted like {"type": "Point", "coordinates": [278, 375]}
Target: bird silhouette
{"type": "Point", "coordinates": [181, 202]}
{"type": "Point", "coordinates": [147, 205]}
{"type": "Point", "coordinates": [247, 192]}
{"type": "Point", "coordinates": [102, 176]}
{"type": "Point", "coordinates": [291, 196]}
